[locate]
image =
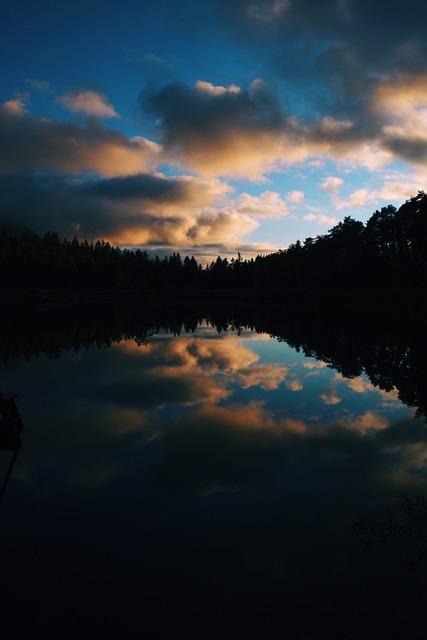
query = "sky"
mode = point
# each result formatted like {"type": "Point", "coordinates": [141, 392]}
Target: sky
{"type": "Point", "coordinates": [211, 127]}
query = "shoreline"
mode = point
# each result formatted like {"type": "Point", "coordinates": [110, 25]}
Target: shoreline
{"type": "Point", "coordinates": [391, 300]}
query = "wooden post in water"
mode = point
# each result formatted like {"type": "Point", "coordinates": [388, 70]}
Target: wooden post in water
{"type": "Point", "coordinates": [10, 434]}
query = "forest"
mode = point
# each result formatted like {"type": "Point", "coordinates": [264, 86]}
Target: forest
{"type": "Point", "coordinates": [389, 250]}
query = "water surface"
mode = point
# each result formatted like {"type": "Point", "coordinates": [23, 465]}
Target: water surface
{"type": "Point", "coordinates": [206, 479]}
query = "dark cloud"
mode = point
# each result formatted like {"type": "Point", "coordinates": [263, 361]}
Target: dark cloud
{"type": "Point", "coordinates": [38, 144]}
{"type": "Point", "coordinates": [412, 149]}
{"type": "Point", "coordinates": [71, 207]}
{"type": "Point", "coordinates": [330, 53]}
{"type": "Point", "coordinates": [143, 186]}
{"type": "Point", "coordinates": [186, 111]}
{"type": "Point", "coordinates": [211, 127]}
{"type": "Point", "coordinates": [364, 26]}
{"type": "Point", "coordinates": [133, 210]}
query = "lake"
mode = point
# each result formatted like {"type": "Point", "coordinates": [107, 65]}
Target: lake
{"type": "Point", "coordinates": [214, 473]}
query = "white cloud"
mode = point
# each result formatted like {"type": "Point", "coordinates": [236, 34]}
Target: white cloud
{"type": "Point", "coordinates": [321, 218]}
{"type": "Point", "coordinates": [267, 205]}
{"type": "Point", "coordinates": [331, 184]}
{"type": "Point", "coordinates": [295, 197]}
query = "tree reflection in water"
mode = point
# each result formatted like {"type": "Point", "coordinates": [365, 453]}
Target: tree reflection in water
{"type": "Point", "coordinates": [389, 349]}
{"type": "Point", "coordinates": [406, 523]}
{"type": "Point", "coordinates": [157, 491]}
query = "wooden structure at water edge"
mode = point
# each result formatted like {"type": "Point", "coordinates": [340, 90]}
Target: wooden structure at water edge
{"type": "Point", "coordinates": [10, 433]}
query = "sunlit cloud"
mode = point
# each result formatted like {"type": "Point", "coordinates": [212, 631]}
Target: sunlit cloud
{"type": "Point", "coordinates": [209, 134]}
{"type": "Point", "coordinates": [252, 417]}
{"type": "Point", "coordinates": [225, 131]}
{"type": "Point", "coordinates": [363, 385]}
{"type": "Point", "coordinates": [358, 385]}
{"type": "Point", "coordinates": [394, 189]}
{"type": "Point", "coordinates": [267, 205]}
{"type": "Point", "coordinates": [265, 376]}
{"type": "Point", "coordinates": [316, 365]}
{"type": "Point", "coordinates": [321, 218]}
{"type": "Point", "coordinates": [37, 144]}
{"type": "Point", "coordinates": [331, 184]}
{"type": "Point", "coordinates": [294, 385]}
{"type": "Point", "coordinates": [331, 398]}
{"type": "Point", "coordinates": [208, 87]}
{"type": "Point", "coordinates": [367, 423]}
{"type": "Point", "coordinates": [91, 102]}
{"type": "Point", "coordinates": [203, 369]}
{"type": "Point", "coordinates": [208, 369]}
{"type": "Point", "coordinates": [14, 107]}
{"type": "Point", "coordinates": [133, 210]}
{"type": "Point", "coordinates": [295, 197]}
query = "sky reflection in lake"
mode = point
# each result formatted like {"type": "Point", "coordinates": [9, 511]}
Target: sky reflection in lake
{"type": "Point", "coordinates": [217, 472]}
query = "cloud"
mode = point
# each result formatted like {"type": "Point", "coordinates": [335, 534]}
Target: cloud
{"type": "Point", "coordinates": [265, 376]}
{"type": "Point", "coordinates": [91, 102]}
{"type": "Point", "coordinates": [331, 184]}
{"type": "Point", "coordinates": [268, 204]}
{"type": "Point", "coordinates": [31, 144]}
{"type": "Point", "coordinates": [295, 197]}
{"type": "Point", "coordinates": [93, 182]}
{"type": "Point", "coordinates": [295, 385]}
{"type": "Point", "coordinates": [216, 130]}
{"type": "Point", "coordinates": [338, 35]}
{"type": "Point", "coordinates": [358, 88]}
{"type": "Point", "coordinates": [331, 397]}
{"type": "Point", "coordinates": [159, 194]}
{"type": "Point", "coordinates": [267, 12]}
{"type": "Point", "coordinates": [133, 210]}
{"type": "Point", "coordinates": [40, 86]}
{"type": "Point", "coordinates": [191, 371]}
{"type": "Point", "coordinates": [393, 189]}
{"type": "Point", "coordinates": [104, 407]}
{"type": "Point", "coordinates": [367, 423]}
{"type": "Point", "coordinates": [208, 87]}
{"type": "Point", "coordinates": [402, 105]}
{"type": "Point", "coordinates": [321, 218]}
{"type": "Point", "coordinates": [150, 64]}
{"type": "Point", "coordinates": [13, 108]}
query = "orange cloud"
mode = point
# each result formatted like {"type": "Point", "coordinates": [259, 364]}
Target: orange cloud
{"type": "Point", "coordinates": [39, 144]}
{"type": "Point", "coordinates": [214, 90]}
{"type": "Point", "coordinates": [252, 417]}
{"type": "Point", "coordinates": [217, 131]}
{"type": "Point", "coordinates": [265, 376]}
{"type": "Point", "coordinates": [368, 422]}
{"type": "Point", "coordinates": [90, 102]}
{"type": "Point", "coordinates": [331, 397]}
{"type": "Point", "coordinates": [15, 107]}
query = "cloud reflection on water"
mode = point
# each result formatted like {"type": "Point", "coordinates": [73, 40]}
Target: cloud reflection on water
{"type": "Point", "coordinates": [219, 400]}
{"type": "Point", "coordinates": [208, 466]}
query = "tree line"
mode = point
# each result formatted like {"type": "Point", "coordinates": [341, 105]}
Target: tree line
{"type": "Point", "coordinates": [390, 249]}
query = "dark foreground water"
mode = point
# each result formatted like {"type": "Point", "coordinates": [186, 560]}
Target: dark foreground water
{"type": "Point", "coordinates": [213, 478]}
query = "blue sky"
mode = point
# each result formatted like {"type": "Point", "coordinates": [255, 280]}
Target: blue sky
{"type": "Point", "coordinates": [209, 127]}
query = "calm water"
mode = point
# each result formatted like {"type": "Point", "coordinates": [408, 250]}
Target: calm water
{"type": "Point", "coordinates": [207, 482]}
